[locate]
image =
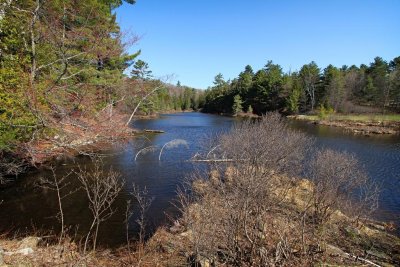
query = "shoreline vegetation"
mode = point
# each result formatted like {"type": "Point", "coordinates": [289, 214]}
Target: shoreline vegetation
{"type": "Point", "coordinates": [343, 242]}
{"type": "Point", "coordinates": [252, 210]}
{"type": "Point", "coordinates": [365, 124]}
{"type": "Point", "coordinates": [64, 91]}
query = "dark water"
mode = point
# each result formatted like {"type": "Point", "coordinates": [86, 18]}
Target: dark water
{"type": "Point", "coordinates": [26, 207]}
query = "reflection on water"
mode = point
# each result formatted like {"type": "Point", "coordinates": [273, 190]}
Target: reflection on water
{"type": "Point", "coordinates": [26, 206]}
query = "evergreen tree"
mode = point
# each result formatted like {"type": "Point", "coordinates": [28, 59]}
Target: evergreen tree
{"type": "Point", "coordinates": [57, 58]}
{"type": "Point", "coordinates": [237, 105]}
{"type": "Point", "coordinates": [141, 70]}
{"type": "Point", "coordinates": [334, 87]}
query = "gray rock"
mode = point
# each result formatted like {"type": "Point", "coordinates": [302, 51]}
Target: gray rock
{"type": "Point", "coordinates": [1, 256]}
{"type": "Point", "coordinates": [29, 242]}
{"type": "Point", "coordinates": [23, 251]}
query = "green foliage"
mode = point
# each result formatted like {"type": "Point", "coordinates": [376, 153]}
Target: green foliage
{"type": "Point", "coordinates": [16, 122]}
{"type": "Point", "coordinates": [344, 89]}
{"type": "Point", "coordinates": [334, 87]}
{"type": "Point", "coordinates": [293, 89]}
{"type": "Point", "coordinates": [57, 58]}
{"type": "Point", "coordinates": [325, 112]}
{"type": "Point", "coordinates": [237, 105]}
{"type": "Point", "coordinates": [141, 70]}
{"type": "Point", "coordinates": [310, 77]}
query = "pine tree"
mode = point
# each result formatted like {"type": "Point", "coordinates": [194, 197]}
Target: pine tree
{"type": "Point", "coordinates": [237, 105]}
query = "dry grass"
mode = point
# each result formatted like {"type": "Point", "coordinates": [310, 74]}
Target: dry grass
{"type": "Point", "coordinates": [356, 118]}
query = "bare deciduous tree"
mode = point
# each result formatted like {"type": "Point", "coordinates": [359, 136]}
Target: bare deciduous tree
{"type": "Point", "coordinates": [102, 188]}
{"type": "Point", "coordinates": [58, 185]}
{"type": "Point", "coordinates": [143, 201]}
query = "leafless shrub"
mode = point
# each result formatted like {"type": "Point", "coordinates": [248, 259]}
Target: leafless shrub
{"type": "Point", "coordinates": [267, 144]}
{"type": "Point", "coordinates": [340, 184]}
{"type": "Point", "coordinates": [10, 165]}
{"type": "Point", "coordinates": [143, 202]}
{"type": "Point", "coordinates": [58, 185]}
{"type": "Point", "coordinates": [250, 209]}
{"type": "Point", "coordinates": [235, 214]}
{"type": "Point", "coordinates": [102, 188]}
{"type": "Point", "coordinates": [128, 215]}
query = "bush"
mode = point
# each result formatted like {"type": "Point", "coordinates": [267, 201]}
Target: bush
{"type": "Point", "coordinates": [235, 216]}
{"type": "Point", "coordinates": [243, 212]}
{"type": "Point", "coordinates": [325, 112]}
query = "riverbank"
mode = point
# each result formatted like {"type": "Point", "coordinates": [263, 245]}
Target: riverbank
{"type": "Point", "coordinates": [71, 137]}
{"type": "Point", "coordinates": [342, 241]}
{"type": "Point", "coordinates": [79, 137]}
{"type": "Point", "coordinates": [364, 124]}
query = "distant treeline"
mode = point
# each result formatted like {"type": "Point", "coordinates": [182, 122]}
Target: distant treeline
{"type": "Point", "coordinates": [167, 98]}
{"type": "Point", "coordinates": [161, 97]}
{"type": "Point", "coordinates": [360, 89]}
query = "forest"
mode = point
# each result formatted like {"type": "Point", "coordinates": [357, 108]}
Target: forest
{"type": "Point", "coordinates": [268, 195]}
{"type": "Point", "coordinates": [64, 68]}
{"type": "Point", "coordinates": [363, 89]}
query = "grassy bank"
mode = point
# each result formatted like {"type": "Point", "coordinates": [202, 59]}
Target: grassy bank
{"type": "Point", "coordinates": [365, 124]}
{"type": "Point", "coordinates": [354, 117]}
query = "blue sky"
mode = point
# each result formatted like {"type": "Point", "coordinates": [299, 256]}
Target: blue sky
{"type": "Point", "coordinates": [196, 39]}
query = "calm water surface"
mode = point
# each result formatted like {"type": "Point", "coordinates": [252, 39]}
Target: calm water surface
{"type": "Point", "coordinates": [26, 207]}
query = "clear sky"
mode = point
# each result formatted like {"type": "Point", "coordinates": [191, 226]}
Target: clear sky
{"type": "Point", "coordinates": [197, 39]}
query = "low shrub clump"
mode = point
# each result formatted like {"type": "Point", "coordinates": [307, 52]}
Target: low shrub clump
{"type": "Point", "coordinates": [252, 209]}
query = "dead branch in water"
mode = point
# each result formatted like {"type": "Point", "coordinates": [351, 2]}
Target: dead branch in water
{"type": "Point", "coordinates": [212, 160]}
{"type": "Point", "coordinates": [146, 150]}
{"type": "Point", "coordinates": [172, 144]}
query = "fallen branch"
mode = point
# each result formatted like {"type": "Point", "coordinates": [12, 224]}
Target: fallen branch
{"type": "Point", "coordinates": [140, 102]}
{"type": "Point", "coordinates": [145, 150]}
{"type": "Point", "coordinates": [154, 131]}
{"type": "Point", "coordinates": [212, 160]}
{"type": "Point", "coordinates": [172, 144]}
{"type": "Point", "coordinates": [357, 258]}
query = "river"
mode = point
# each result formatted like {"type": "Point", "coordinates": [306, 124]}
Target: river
{"type": "Point", "coordinates": [27, 207]}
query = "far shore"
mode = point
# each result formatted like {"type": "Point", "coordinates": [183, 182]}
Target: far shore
{"type": "Point", "coordinates": [365, 124]}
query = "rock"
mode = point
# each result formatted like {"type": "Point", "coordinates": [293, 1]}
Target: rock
{"type": "Point", "coordinates": [24, 251]}
{"type": "Point", "coordinates": [204, 262]}
{"type": "Point", "coordinates": [199, 261]}
{"type": "Point", "coordinates": [187, 234]}
{"type": "Point", "coordinates": [1, 256]}
{"type": "Point", "coordinates": [177, 227]}
{"type": "Point", "coordinates": [332, 250]}
{"type": "Point", "coordinates": [352, 231]}
{"type": "Point", "coordinates": [29, 242]}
